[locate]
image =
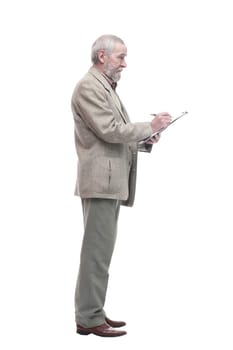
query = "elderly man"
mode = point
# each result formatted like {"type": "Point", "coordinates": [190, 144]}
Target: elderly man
{"type": "Point", "coordinates": [107, 143]}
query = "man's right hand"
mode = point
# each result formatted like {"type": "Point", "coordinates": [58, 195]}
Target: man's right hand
{"type": "Point", "coordinates": [161, 121]}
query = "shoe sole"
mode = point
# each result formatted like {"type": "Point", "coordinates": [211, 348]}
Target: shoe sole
{"type": "Point", "coordinates": [81, 332]}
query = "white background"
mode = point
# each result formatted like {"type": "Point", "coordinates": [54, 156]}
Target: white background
{"type": "Point", "coordinates": [171, 274]}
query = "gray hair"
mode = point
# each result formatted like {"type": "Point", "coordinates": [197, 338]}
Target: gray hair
{"type": "Point", "coordinates": [104, 42]}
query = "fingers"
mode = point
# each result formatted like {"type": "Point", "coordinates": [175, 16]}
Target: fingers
{"type": "Point", "coordinates": [163, 114]}
{"type": "Point", "coordinates": [157, 137]}
{"type": "Point", "coordinates": [161, 121]}
{"type": "Point", "coordinates": [154, 139]}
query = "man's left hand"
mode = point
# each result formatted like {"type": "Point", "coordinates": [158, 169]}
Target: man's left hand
{"type": "Point", "coordinates": [154, 139]}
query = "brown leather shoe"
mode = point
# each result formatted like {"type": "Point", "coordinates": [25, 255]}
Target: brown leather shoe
{"type": "Point", "coordinates": [115, 324]}
{"type": "Point", "coordinates": [104, 330]}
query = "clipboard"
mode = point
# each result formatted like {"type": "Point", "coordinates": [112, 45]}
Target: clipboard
{"type": "Point", "coordinates": [162, 129]}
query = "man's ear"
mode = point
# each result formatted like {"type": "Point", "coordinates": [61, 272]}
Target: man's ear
{"type": "Point", "coordinates": [101, 55]}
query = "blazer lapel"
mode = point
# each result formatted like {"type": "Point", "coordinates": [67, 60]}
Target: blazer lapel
{"type": "Point", "coordinates": [113, 94]}
{"type": "Point", "coordinates": [119, 106]}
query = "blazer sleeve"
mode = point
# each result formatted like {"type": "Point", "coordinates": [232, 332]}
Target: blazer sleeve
{"type": "Point", "coordinates": [93, 105]}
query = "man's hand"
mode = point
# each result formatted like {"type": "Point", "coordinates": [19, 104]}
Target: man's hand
{"type": "Point", "coordinates": [161, 121]}
{"type": "Point", "coordinates": [154, 139]}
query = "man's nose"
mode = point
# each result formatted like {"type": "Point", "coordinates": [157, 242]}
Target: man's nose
{"type": "Point", "coordinates": [123, 63]}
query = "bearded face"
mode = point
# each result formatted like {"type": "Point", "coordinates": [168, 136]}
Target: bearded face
{"type": "Point", "coordinates": [112, 72]}
{"type": "Point", "coordinates": [115, 62]}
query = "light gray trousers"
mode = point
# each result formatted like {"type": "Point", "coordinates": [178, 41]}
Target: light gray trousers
{"type": "Point", "coordinates": [100, 229]}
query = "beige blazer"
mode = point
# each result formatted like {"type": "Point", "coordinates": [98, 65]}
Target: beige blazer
{"type": "Point", "coordinates": [105, 140]}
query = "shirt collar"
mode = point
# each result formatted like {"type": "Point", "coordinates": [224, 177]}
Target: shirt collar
{"type": "Point", "coordinates": [110, 81]}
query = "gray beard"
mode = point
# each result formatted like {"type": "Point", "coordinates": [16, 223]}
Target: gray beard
{"type": "Point", "coordinates": [115, 76]}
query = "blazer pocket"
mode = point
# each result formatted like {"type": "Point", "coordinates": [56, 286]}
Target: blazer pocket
{"type": "Point", "coordinates": [108, 177]}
